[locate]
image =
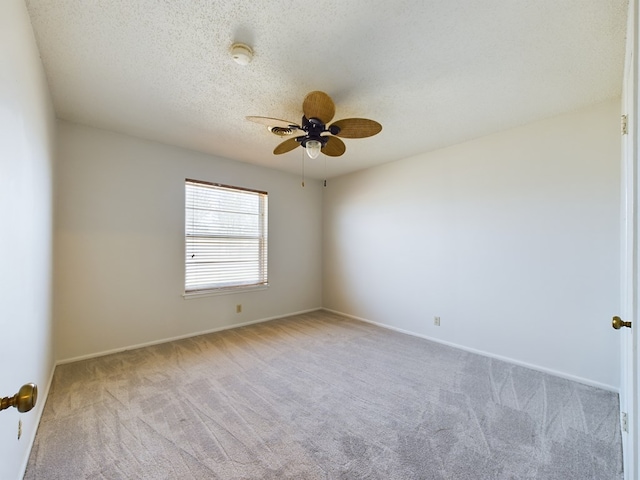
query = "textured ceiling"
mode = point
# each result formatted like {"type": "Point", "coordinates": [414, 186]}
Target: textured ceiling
{"type": "Point", "coordinates": [433, 73]}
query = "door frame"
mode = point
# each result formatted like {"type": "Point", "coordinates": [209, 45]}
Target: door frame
{"type": "Point", "coordinates": [629, 366]}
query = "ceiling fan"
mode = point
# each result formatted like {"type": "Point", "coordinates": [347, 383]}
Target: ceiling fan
{"type": "Point", "coordinates": [313, 133]}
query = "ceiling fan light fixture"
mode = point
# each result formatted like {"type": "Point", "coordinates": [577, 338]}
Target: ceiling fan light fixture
{"type": "Point", "coordinates": [313, 148]}
{"type": "Point", "coordinates": [241, 53]}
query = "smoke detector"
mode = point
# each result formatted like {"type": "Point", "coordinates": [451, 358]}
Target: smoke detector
{"type": "Point", "coordinates": [241, 53]}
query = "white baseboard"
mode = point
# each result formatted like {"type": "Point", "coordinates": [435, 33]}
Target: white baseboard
{"type": "Point", "coordinates": [556, 373]}
{"type": "Point", "coordinates": [179, 337]}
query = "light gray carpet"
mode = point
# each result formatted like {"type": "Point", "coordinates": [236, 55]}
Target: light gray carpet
{"type": "Point", "coordinates": [320, 396]}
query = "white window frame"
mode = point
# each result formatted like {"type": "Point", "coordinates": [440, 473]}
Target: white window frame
{"type": "Point", "coordinates": [226, 239]}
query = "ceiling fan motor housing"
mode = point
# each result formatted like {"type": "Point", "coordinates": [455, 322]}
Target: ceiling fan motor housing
{"type": "Point", "coordinates": [314, 128]}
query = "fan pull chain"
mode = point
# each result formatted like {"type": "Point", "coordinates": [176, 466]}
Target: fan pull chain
{"type": "Point", "coordinates": [325, 170]}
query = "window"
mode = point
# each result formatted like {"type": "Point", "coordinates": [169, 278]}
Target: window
{"type": "Point", "coordinates": [225, 237]}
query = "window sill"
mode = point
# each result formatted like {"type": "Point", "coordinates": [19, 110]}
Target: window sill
{"type": "Point", "coordinates": [223, 291]}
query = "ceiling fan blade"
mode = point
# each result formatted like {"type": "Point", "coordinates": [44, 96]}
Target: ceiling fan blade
{"type": "Point", "coordinates": [273, 122]}
{"type": "Point", "coordinates": [357, 128]}
{"type": "Point", "coordinates": [334, 147]}
{"type": "Point", "coordinates": [286, 146]}
{"type": "Point", "coordinates": [319, 105]}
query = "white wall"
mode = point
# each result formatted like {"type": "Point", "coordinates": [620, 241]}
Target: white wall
{"type": "Point", "coordinates": [120, 243]}
{"type": "Point", "coordinates": [512, 239]}
{"type": "Point", "coordinates": [27, 130]}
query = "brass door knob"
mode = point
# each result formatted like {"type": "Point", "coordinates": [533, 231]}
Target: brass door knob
{"type": "Point", "coordinates": [618, 323]}
{"type": "Point", "coordinates": [24, 400]}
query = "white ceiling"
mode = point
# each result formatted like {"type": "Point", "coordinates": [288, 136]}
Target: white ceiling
{"type": "Point", "coordinates": [433, 73]}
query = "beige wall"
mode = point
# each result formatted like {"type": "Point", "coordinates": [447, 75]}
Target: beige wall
{"type": "Point", "coordinates": [512, 239]}
{"type": "Point", "coordinates": [120, 243]}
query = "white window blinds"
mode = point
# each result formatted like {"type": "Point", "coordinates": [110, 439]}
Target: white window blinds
{"type": "Point", "coordinates": [225, 237]}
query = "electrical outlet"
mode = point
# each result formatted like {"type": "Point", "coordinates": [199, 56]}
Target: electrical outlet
{"type": "Point", "coordinates": [239, 308]}
{"type": "Point", "coordinates": [624, 421]}
{"type": "Point", "coordinates": [19, 429]}
{"type": "Point", "coordinates": [436, 321]}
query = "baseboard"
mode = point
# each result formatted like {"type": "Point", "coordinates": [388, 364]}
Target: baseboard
{"type": "Point", "coordinates": [566, 376]}
{"type": "Point", "coordinates": [179, 337]}
{"type": "Point", "coordinates": [539, 368]}
{"type": "Point", "coordinates": [43, 394]}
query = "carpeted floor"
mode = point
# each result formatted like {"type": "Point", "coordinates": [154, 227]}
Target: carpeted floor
{"type": "Point", "coordinates": [320, 396]}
